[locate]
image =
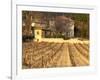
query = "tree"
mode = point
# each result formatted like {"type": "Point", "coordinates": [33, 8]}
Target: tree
{"type": "Point", "coordinates": [63, 25]}
{"type": "Point", "coordinates": [26, 18]}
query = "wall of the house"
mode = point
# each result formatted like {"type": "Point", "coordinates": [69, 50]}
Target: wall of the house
{"type": "Point", "coordinates": [38, 34]}
{"type": "Point", "coordinates": [71, 31]}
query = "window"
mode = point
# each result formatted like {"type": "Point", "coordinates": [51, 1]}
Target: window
{"type": "Point", "coordinates": [37, 32]}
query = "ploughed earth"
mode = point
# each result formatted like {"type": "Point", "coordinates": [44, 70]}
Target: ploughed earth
{"type": "Point", "coordinates": [71, 53]}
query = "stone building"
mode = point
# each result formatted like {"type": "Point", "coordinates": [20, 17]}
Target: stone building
{"type": "Point", "coordinates": [43, 27]}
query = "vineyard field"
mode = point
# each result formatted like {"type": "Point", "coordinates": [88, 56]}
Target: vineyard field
{"type": "Point", "coordinates": [71, 53]}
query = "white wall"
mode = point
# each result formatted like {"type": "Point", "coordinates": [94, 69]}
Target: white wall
{"type": "Point", "coordinates": [5, 33]}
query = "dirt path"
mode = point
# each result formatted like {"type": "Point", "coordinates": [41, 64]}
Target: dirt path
{"type": "Point", "coordinates": [65, 58]}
